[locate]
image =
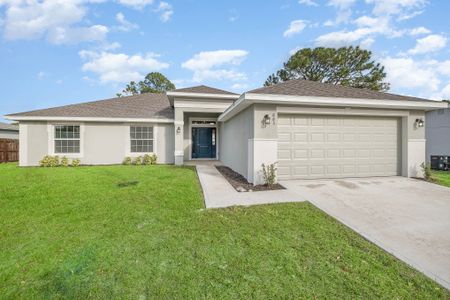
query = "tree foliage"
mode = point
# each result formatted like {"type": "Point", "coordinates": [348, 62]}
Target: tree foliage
{"type": "Point", "coordinates": [348, 66]}
{"type": "Point", "coordinates": [154, 82]}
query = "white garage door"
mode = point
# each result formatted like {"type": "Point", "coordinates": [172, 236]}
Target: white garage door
{"type": "Point", "coordinates": [313, 146]}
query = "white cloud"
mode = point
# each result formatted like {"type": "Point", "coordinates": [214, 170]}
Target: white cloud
{"type": "Point", "coordinates": [344, 11]}
{"type": "Point", "coordinates": [55, 20]}
{"type": "Point", "coordinates": [395, 7]}
{"type": "Point", "coordinates": [295, 27]}
{"type": "Point", "coordinates": [166, 11]}
{"type": "Point", "coordinates": [41, 75]}
{"type": "Point", "coordinates": [72, 35]}
{"type": "Point", "coordinates": [216, 65]}
{"type": "Point", "coordinates": [444, 94]}
{"type": "Point", "coordinates": [124, 24]}
{"type": "Point", "coordinates": [342, 38]}
{"type": "Point", "coordinates": [409, 74]}
{"type": "Point", "coordinates": [240, 86]}
{"type": "Point", "coordinates": [308, 2]}
{"type": "Point", "coordinates": [136, 4]}
{"type": "Point", "coordinates": [120, 67]}
{"type": "Point", "coordinates": [419, 30]}
{"type": "Point", "coordinates": [430, 43]}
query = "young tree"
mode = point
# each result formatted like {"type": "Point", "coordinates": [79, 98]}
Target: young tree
{"type": "Point", "coordinates": [348, 66]}
{"type": "Point", "coordinates": [154, 82]}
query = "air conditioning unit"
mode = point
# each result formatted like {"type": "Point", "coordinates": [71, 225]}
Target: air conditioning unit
{"type": "Point", "coordinates": [439, 162]}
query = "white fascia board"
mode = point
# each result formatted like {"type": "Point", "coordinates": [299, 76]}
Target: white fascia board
{"type": "Point", "coordinates": [238, 106]}
{"type": "Point", "coordinates": [89, 119]}
{"type": "Point", "coordinates": [201, 95]}
{"type": "Point", "coordinates": [249, 98]}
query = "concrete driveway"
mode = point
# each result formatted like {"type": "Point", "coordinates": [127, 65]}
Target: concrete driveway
{"type": "Point", "coordinates": [407, 217]}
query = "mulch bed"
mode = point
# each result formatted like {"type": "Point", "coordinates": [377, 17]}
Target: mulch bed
{"type": "Point", "coordinates": [241, 184]}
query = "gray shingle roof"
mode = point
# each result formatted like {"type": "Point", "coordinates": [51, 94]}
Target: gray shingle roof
{"type": "Point", "coordinates": [299, 87]}
{"type": "Point", "coordinates": [203, 89]}
{"type": "Point", "coordinates": [11, 127]}
{"type": "Point", "coordinates": [137, 106]}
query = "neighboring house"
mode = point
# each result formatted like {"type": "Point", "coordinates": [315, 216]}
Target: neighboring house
{"type": "Point", "coordinates": [437, 132]}
{"type": "Point", "coordinates": [9, 131]}
{"type": "Point", "coordinates": [313, 130]}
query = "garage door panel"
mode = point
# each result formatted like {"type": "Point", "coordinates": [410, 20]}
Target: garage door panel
{"type": "Point", "coordinates": [337, 146]}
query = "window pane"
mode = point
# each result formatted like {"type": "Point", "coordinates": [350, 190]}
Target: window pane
{"type": "Point", "coordinates": [141, 139]}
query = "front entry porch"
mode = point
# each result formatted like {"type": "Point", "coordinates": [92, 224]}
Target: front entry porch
{"type": "Point", "coordinates": [197, 137]}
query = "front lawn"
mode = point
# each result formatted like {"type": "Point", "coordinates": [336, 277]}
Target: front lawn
{"type": "Point", "coordinates": [141, 232]}
{"type": "Point", "coordinates": [442, 177]}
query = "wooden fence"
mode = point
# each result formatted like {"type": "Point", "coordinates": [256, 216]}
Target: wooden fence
{"type": "Point", "coordinates": [9, 150]}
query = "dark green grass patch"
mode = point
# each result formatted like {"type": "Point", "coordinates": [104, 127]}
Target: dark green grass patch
{"type": "Point", "coordinates": [442, 177]}
{"type": "Point", "coordinates": [88, 233]}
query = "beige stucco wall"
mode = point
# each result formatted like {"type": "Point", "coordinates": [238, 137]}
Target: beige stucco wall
{"type": "Point", "coordinates": [437, 133]}
{"type": "Point", "coordinates": [101, 143]}
{"type": "Point", "coordinates": [234, 136]}
{"type": "Point", "coordinates": [33, 141]}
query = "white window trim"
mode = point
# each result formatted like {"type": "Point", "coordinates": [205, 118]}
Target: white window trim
{"type": "Point", "coordinates": [128, 139]}
{"type": "Point", "coordinates": [206, 126]}
{"type": "Point", "coordinates": [51, 139]}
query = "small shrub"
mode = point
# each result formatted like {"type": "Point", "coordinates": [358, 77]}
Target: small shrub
{"type": "Point", "coordinates": [149, 159]}
{"type": "Point", "coordinates": [137, 161]}
{"type": "Point", "coordinates": [64, 162]}
{"type": "Point", "coordinates": [54, 161]}
{"type": "Point", "coordinates": [426, 170]}
{"type": "Point", "coordinates": [146, 160]}
{"type": "Point", "coordinates": [269, 174]}
{"type": "Point", "coordinates": [49, 161]}
{"type": "Point", "coordinates": [153, 159]}
{"type": "Point", "coordinates": [76, 162]}
{"type": "Point", "coordinates": [44, 162]}
{"type": "Point", "coordinates": [126, 161]}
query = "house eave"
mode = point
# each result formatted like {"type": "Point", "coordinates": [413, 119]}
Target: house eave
{"type": "Point", "coordinates": [251, 98]}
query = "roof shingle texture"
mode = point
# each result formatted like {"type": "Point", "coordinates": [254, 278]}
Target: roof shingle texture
{"type": "Point", "coordinates": [300, 87]}
{"type": "Point", "coordinates": [204, 89]}
{"type": "Point", "coordinates": [11, 127]}
{"type": "Point", "coordinates": [137, 106]}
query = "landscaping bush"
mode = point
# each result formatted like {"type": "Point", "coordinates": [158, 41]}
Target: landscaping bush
{"type": "Point", "coordinates": [64, 162]}
{"type": "Point", "coordinates": [127, 161]}
{"type": "Point", "coordinates": [269, 174]}
{"type": "Point", "coordinates": [149, 159]}
{"type": "Point", "coordinates": [426, 170]}
{"type": "Point", "coordinates": [137, 161]}
{"type": "Point", "coordinates": [49, 161]}
{"type": "Point", "coordinates": [76, 162]}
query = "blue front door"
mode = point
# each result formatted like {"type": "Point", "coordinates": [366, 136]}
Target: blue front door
{"type": "Point", "coordinates": [203, 142]}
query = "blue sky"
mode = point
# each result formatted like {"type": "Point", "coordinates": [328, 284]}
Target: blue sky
{"type": "Point", "coordinates": [56, 52]}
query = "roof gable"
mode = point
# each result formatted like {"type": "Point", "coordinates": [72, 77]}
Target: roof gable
{"type": "Point", "coordinates": [203, 89]}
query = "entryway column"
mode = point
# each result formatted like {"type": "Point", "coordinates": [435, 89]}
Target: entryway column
{"type": "Point", "coordinates": [179, 136]}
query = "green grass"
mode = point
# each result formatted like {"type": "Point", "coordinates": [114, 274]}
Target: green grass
{"type": "Point", "coordinates": [442, 178]}
{"type": "Point", "coordinates": [141, 232]}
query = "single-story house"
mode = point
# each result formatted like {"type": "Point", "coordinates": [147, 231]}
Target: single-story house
{"type": "Point", "coordinates": [437, 133]}
{"type": "Point", "coordinates": [9, 131]}
{"type": "Point", "coordinates": [311, 129]}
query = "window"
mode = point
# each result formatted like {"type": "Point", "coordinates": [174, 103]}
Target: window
{"type": "Point", "coordinates": [203, 122]}
{"type": "Point", "coordinates": [141, 138]}
{"type": "Point", "coordinates": [67, 139]}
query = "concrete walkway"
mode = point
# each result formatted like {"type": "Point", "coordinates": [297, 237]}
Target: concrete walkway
{"type": "Point", "coordinates": [219, 193]}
